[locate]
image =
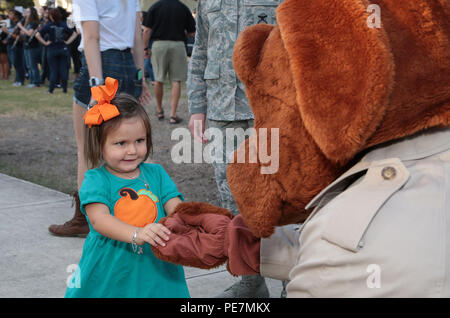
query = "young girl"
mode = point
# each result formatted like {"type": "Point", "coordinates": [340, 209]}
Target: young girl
{"type": "Point", "coordinates": [123, 200]}
{"type": "Point", "coordinates": [111, 45]}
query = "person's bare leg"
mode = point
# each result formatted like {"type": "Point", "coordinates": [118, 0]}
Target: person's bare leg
{"type": "Point", "coordinates": [77, 226]}
{"type": "Point", "coordinates": [78, 126]}
{"type": "Point", "coordinates": [4, 66]}
{"type": "Point", "coordinates": [159, 92]}
{"type": "Point", "coordinates": [175, 97]}
{"type": "Point", "coordinates": [4, 69]}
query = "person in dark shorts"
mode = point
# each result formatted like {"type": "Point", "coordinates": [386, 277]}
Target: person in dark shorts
{"type": "Point", "coordinates": [109, 30]}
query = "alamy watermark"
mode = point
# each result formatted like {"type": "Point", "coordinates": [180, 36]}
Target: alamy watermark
{"type": "Point", "coordinates": [374, 279]}
{"type": "Point", "coordinates": [374, 20]}
{"type": "Point", "coordinates": [74, 280]}
{"type": "Point", "coordinates": [263, 147]}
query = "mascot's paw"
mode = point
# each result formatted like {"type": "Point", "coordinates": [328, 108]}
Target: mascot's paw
{"type": "Point", "coordinates": [197, 238]}
{"type": "Point", "coordinates": [206, 236]}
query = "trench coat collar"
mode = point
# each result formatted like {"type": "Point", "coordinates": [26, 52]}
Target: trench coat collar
{"type": "Point", "coordinates": [418, 146]}
{"type": "Point", "coordinates": [415, 147]}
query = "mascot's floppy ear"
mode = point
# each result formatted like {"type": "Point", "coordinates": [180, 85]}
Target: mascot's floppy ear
{"type": "Point", "coordinates": [343, 71]}
{"type": "Point", "coordinates": [248, 48]}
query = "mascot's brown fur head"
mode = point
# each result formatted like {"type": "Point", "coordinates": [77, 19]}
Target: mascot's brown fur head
{"type": "Point", "coordinates": [334, 87]}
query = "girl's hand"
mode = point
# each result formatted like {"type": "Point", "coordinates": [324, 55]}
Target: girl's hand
{"type": "Point", "coordinates": [154, 233]}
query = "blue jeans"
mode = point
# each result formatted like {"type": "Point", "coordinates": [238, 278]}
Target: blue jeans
{"type": "Point", "coordinates": [32, 56]}
{"type": "Point", "coordinates": [58, 66]}
{"type": "Point", "coordinates": [116, 64]}
{"type": "Point", "coordinates": [15, 55]}
{"type": "Point", "coordinates": [44, 64]}
{"type": "Point", "coordinates": [149, 69]}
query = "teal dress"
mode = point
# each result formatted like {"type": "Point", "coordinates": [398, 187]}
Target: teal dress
{"type": "Point", "coordinates": [110, 268]}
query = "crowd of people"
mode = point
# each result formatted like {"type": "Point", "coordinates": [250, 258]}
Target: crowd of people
{"type": "Point", "coordinates": [44, 45]}
{"type": "Point", "coordinates": [39, 46]}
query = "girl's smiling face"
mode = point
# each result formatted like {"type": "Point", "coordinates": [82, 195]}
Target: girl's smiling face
{"type": "Point", "coordinates": [125, 148]}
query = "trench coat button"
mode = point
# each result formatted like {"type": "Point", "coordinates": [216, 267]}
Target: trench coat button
{"type": "Point", "coordinates": [388, 173]}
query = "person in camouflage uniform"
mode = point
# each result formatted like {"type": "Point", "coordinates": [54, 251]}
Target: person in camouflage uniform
{"type": "Point", "coordinates": [216, 96]}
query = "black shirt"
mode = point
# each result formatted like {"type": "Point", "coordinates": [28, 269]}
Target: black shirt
{"type": "Point", "coordinates": [30, 42]}
{"type": "Point", "coordinates": [3, 45]}
{"type": "Point", "coordinates": [56, 33]}
{"type": "Point", "coordinates": [168, 20]}
{"type": "Point", "coordinates": [13, 30]}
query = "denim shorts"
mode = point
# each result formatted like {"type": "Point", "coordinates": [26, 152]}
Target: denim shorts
{"type": "Point", "coordinates": [116, 64]}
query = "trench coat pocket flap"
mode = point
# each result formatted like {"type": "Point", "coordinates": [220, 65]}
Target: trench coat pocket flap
{"type": "Point", "coordinates": [352, 211]}
{"type": "Point", "coordinates": [213, 5]}
{"type": "Point", "coordinates": [212, 71]}
{"type": "Point", "coordinates": [272, 3]}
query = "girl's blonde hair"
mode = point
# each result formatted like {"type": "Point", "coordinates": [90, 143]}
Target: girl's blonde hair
{"type": "Point", "coordinates": [128, 107]}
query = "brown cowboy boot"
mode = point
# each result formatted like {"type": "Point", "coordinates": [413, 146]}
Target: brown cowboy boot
{"type": "Point", "coordinates": [77, 226]}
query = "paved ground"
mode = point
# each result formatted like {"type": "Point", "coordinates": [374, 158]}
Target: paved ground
{"type": "Point", "coordinates": [33, 263]}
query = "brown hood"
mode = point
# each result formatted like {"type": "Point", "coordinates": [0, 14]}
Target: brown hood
{"type": "Point", "coordinates": [358, 86]}
{"type": "Point", "coordinates": [334, 87]}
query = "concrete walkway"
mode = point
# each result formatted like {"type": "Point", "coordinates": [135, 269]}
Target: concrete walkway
{"type": "Point", "coordinates": [34, 263]}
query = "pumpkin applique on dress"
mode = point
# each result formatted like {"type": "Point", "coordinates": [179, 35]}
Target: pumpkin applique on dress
{"type": "Point", "coordinates": [136, 208]}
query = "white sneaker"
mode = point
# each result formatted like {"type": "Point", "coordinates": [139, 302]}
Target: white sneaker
{"type": "Point", "coordinates": [252, 286]}
{"type": "Point", "coordinates": [16, 84]}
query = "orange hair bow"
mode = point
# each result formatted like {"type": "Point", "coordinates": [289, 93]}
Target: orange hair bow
{"type": "Point", "coordinates": [103, 110]}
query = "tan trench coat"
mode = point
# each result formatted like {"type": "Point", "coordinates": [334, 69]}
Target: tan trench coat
{"type": "Point", "coordinates": [380, 230]}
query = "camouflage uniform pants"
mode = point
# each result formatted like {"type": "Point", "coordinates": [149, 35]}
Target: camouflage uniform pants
{"type": "Point", "coordinates": [220, 160]}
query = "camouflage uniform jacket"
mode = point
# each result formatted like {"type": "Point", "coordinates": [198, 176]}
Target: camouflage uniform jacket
{"type": "Point", "coordinates": [213, 87]}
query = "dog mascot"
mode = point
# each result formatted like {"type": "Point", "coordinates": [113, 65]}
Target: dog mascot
{"type": "Point", "coordinates": [360, 203]}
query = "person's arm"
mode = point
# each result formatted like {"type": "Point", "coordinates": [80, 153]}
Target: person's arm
{"type": "Point", "coordinates": [147, 27]}
{"type": "Point", "coordinates": [171, 205]}
{"type": "Point", "coordinates": [190, 24]}
{"type": "Point", "coordinates": [196, 86]}
{"type": "Point", "coordinates": [138, 44]}
{"type": "Point", "coordinates": [138, 55]}
{"type": "Point", "coordinates": [71, 38]}
{"type": "Point", "coordinates": [91, 44]}
{"type": "Point", "coordinates": [278, 253]}
{"type": "Point", "coordinates": [146, 35]}
{"type": "Point", "coordinates": [38, 36]}
{"type": "Point", "coordinates": [24, 30]}
{"type": "Point", "coordinates": [9, 33]}
{"type": "Point", "coordinates": [110, 226]}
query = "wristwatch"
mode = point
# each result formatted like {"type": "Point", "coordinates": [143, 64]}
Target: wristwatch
{"type": "Point", "coordinates": [95, 81]}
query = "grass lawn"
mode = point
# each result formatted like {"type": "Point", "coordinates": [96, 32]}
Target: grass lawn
{"type": "Point", "coordinates": [37, 141]}
{"type": "Point", "coordinates": [33, 102]}
{"type": "Point", "coordinates": [35, 130]}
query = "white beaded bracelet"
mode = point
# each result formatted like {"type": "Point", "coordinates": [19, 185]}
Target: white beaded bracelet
{"type": "Point", "coordinates": [134, 244]}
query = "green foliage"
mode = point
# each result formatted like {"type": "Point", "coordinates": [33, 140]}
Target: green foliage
{"type": "Point", "coordinates": [24, 3]}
